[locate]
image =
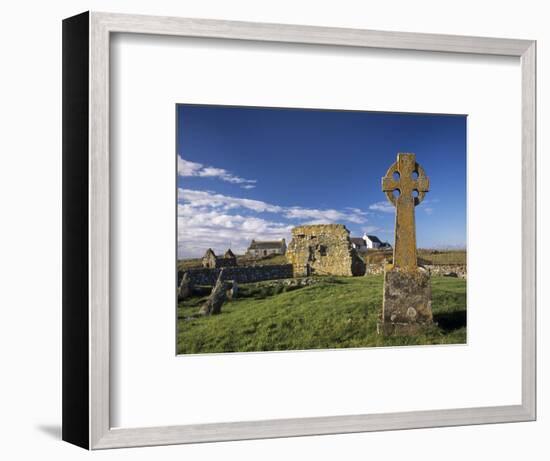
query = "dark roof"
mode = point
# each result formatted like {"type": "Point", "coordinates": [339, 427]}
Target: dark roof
{"type": "Point", "coordinates": [208, 252]}
{"type": "Point", "coordinates": [374, 238]}
{"type": "Point", "coordinates": [358, 241]}
{"type": "Point", "coordinates": [262, 245]}
{"type": "Point", "coordinates": [229, 254]}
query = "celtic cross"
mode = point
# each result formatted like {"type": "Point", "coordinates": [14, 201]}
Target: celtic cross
{"type": "Point", "coordinates": [405, 185]}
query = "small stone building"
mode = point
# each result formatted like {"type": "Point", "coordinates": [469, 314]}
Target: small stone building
{"type": "Point", "coordinates": [211, 261]}
{"type": "Point", "coordinates": [261, 248]}
{"type": "Point", "coordinates": [229, 255]}
{"type": "Point", "coordinates": [323, 249]}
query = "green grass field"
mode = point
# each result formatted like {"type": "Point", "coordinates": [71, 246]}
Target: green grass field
{"type": "Point", "coordinates": [336, 312]}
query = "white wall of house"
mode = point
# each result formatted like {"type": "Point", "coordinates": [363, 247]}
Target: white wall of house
{"type": "Point", "coordinates": [370, 244]}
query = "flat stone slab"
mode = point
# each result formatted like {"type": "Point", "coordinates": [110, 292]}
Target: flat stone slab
{"type": "Point", "coordinates": [407, 305]}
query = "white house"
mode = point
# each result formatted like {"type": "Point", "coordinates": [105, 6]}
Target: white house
{"type": "Point", "coordinates": [359, 244]}
{"type": "Point", "coordinates": [260, 249]}
{"type": "Point", "coordinates": [368, 242]}
{"type": "Point", "coordinates": [372, 241]}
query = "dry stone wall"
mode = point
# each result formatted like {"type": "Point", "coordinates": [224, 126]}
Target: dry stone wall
{"type": "Point", "coordinates": [240, 274]}
{"type": "Point", "coordinates": [459, 270]}
{"type": "Point", "coordinates": [323, 249]}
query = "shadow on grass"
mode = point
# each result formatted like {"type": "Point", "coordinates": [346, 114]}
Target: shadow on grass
{"type": "Point", "coordinates": [449, 321]}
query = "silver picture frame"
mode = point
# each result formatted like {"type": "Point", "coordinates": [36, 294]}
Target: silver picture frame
{"type": "Point", "coordinates": [86, 229]}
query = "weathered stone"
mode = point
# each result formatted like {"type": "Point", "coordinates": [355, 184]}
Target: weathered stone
{"type": "Point", "coordinates": [405, 191]}
{"type": "Point", "coordinates": [405, 329]}
{"type": "Point", "coordinates": [211, 261]}
{"type": "Point", "coordinates": [232, 289]}
{"type": "Point", "coordinates": [240, 274]}
{"type": "Point", "coordinates": [214, 303]}
{"type": "Point", "coordinates": [185, 287]}
{"type": "Point", "coordinates": [460, 270]}
{"type": "Point", "coordinates": [407, 305]}
{"type": "Point", "coordinates": [323, 249]}
{"type": "Point", "coordinates": [407, 299]}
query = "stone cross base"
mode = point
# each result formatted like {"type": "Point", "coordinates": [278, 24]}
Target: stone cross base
{"type": "Point", "coordinates": [407, 307]}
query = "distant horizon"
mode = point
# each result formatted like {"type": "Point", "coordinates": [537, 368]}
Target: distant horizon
{"type": "Point", "coordinates": [243, 252]}
{"type": "Point", "coordinates": [254, 173]}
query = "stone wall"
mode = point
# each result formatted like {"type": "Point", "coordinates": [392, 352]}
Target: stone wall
{"type": "Point", "coordinates": [436, 270]}
{"type": "Point", "coordinates": [323, 249]}
{"type": "Point", "coordinates": [241, 274]}
{"type": "Point", "coordinates": [458, 269]}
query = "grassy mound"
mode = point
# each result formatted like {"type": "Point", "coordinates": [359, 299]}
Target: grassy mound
{"type": "Point", "coordinates": [333, 312]}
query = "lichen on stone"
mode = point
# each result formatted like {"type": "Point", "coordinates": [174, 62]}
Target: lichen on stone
{"type": "Point", "coordinates": [323, 249]}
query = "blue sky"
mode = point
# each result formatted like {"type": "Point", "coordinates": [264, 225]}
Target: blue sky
{"type": "Point", "coordinates": [246, 172]}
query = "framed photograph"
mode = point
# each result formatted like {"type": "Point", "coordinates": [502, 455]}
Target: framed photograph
{"type": "Point", "coordinates": [276, 230]}
{"type": "Point", "coordinates": [236, 229]}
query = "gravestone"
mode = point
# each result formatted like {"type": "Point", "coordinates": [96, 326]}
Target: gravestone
{"type": "Point", "coordinates": [214, 303]}
{"type": "Point", "coordinates": [232, 289]}
{"type": "Point", "coordinates": [185, 288]}
{"type": "Point", "coordinates": [407, 305]}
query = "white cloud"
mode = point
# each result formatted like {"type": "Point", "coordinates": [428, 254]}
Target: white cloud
{"type": "Point", "coordinates": [384, 207]}
{"type": "Point", "coordinates": [387, 207]}
{"type": "Point", "coordinates": [371, 229]}
{"type": "Point", "coordinates": [210, 220]}
{"type": "Point", "coordinates": [207, 198]}
{"type": "Point", "coordinates": [188, 168]}
{"type": "Point", "coordinates": [211, 199]}
{"type": "Point", "coordinates": [377, 230]}
{"type": "Point", "coordinates": [325, 216]}
{"type": "Point", "coordinates": [429, 210]}
{"type": "Point", "coordinates": [201, 227]}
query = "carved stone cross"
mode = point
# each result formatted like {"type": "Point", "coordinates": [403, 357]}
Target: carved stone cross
{"type": "Point", "coordinates": [405, 185]}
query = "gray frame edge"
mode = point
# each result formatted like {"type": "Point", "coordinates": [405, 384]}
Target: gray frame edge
{"type": "Point", "coordinates": [529, 227]}
{"type": "Point", "coordinates": [101, 434]}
